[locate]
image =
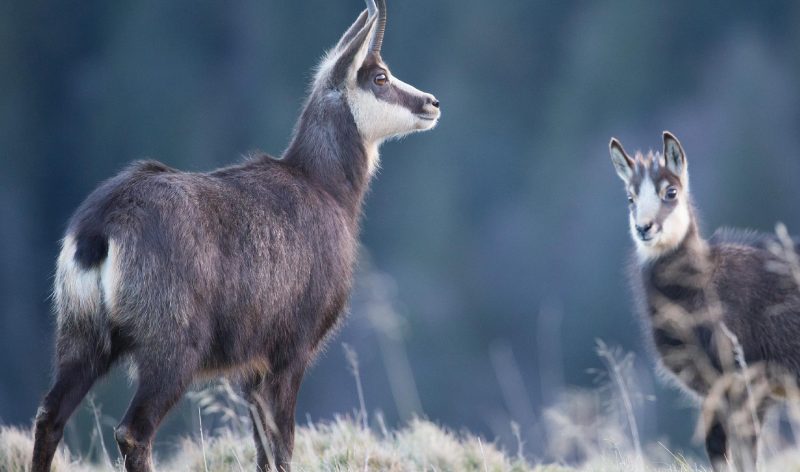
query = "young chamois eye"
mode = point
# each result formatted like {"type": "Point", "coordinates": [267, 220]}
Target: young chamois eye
{"type": "Point", "coordinates": [381, 79]}
{"type": "Point", "coordinates": [671, 193]}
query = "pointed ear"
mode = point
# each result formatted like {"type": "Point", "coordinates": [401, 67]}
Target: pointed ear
{"type": "Point", "coordinates": [674, 157]}
{"type": "Point", "coordinates": [352, 31]}
{"type": "Point", "coordinates": [622, 163]}
{"type": "Point", "coordinates": [352, 54]}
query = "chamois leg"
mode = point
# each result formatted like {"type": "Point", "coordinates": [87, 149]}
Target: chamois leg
{"type": "Point", "coordinates": [744, 452]}
{"type": "Point", "coordinates": [732, 439]}
{"type": "Point", "coordinates": [275, 398]}
{"type": "Point", "coordinates": [161, 385]}
{"type": "Point", "coordinates": [73, 380]}
{"type": "Point", "coordinates": [83, 355]}
{"type": "Point", "coordinates": [717, 446]}
{"type": "Point", "coordinates": [745, 424]}
{"type": "Point", "coordinates": [743, 446]}
{"type": "Point", "coordinates": [263, 425]}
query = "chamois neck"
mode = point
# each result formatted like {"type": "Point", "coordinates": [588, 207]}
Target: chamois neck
{"type": "Point", "coordinates": [328, 148]}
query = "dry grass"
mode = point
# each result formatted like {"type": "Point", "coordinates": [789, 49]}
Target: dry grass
{"type": "Point", "coordinates": [593, 430]}
{"type": "Point", "coordinates": [344, 445]}
{"type": "Point", "coordinates": [341, 445]}
{"type": "Point", "coordinates": [16, 447]}
{"type": "Point", "coordinates": [338, 446]}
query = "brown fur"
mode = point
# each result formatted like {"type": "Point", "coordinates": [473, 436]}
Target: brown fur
{"type": "Point", "coordinates": [243, 271]}
{"type": "Point", "coordinates": [723, 318]}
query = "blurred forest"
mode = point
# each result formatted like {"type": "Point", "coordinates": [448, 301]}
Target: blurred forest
{"type": "Point", "coordinates": [494, 247]}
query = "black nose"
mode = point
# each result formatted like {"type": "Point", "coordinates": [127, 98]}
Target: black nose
{"type": "Point", "coordinates": [642, 230]}
{"type": "Point", "coordinates": [434, 102]}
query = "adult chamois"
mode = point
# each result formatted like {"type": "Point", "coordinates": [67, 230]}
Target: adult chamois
{"type": "Point", "coordinates": [240, 272]}
{"type": "Point", "coordinates": [723, 314]}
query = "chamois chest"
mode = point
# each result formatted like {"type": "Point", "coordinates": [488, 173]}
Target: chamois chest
{"type": "Point", "coordinates": [674, 308]}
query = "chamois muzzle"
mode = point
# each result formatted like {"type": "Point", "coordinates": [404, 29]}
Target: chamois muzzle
{"type": "Point", "coordinates": [644, 231]}
{"type": "Point", "coordinates": [430, 108]}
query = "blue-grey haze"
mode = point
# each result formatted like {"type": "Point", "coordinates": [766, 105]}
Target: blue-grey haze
{"type": "Point", "coordinates": [498, 240]}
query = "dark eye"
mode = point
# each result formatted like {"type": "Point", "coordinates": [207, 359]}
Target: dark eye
{"type": "Point", "coordinates": [630, 199]}
{"type": "Point", "coordinates": [381, 80]}
{"type": "Point", "coordinates": [671, 193]}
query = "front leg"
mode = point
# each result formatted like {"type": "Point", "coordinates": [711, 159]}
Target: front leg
{"type": "Point", "coordinates": [731, 439]}
{"type": "Point", "coordinates": [717, 446]}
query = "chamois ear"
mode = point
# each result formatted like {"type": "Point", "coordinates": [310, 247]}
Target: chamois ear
{"type": "Point", "coordinates": [622, 163]}
{"type": "Point", "coordinates": [351, 55]}
{"type": "Point", "coordinates": [352, 31]}
{"type": "Point", "coordinates": [674, 157]}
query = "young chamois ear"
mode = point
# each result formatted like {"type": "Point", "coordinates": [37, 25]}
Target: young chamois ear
{"type": "Point", "coordinates": [622, 163]}
{"type": "Point", "coordinates": [674, 157]}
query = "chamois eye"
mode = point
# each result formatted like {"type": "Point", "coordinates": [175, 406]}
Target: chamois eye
{"type": "Point", "coordinates": [630, 199]}
{"type": "Point", "coordinates": [381, 80]}
{"type": "Point", "coordinates": [671, 193]}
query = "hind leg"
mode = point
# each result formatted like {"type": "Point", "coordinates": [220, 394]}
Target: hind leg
{"type": "Point", "coordinates": [274, 398]}
{"type": "Point", "coordinates": [73, 380]}
{"type": "Point", "coordinates": [161, 384]}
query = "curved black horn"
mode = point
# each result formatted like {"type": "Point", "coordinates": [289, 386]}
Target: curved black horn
{"type": "Point", "coordinates": [377, 40]}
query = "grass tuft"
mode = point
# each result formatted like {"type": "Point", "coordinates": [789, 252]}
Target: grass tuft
{"type": "Point", "coordinates": [345, 445]}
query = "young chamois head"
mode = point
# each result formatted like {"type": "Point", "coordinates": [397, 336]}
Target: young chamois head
{"type": "Point", "coordinates": [381, 105]}
{"type": "Point", "coordinates": [658, 196]}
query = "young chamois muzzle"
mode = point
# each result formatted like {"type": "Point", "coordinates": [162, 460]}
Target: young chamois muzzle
{"type": "Point", "coordinates": [241, 272]}
{"type": "Point", "coordinates": [723, 314]}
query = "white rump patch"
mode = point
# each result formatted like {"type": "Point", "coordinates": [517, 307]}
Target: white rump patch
{"type": "Point", "coordinates": [77, 291]}
{"type": "Point", "coordinates": [80, 292]}
{"type": "Point", "coordinates": [109, 276]}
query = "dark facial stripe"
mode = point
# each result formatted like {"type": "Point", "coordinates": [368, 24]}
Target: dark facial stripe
{"type": "Point", "coordinates": [649, 167]}
{"type": "Point", "coordinates": [415, 103]}
{"type": "Point", "coordinates": [666, 208]}
{"type": "Point", "coordinates": [389, 93]}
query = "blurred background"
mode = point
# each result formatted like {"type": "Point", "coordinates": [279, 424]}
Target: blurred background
{"type": "Point", "coordinates": [494, 247]}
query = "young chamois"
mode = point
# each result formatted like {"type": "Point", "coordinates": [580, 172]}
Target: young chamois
{"type": "Point", "coordinates": [723, 314]}
{"type": "Point", "coordinates": [241, 272]}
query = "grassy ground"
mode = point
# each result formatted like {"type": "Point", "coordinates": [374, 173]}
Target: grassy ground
{"type": "Point", "coordinates": [342, 445]}
{"type": "Point", "coordinates": [577, 430]}
{"type": "Point", "coordinates": [345, 444]}
{"type": "Point", "coordinates": [592, 430]}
